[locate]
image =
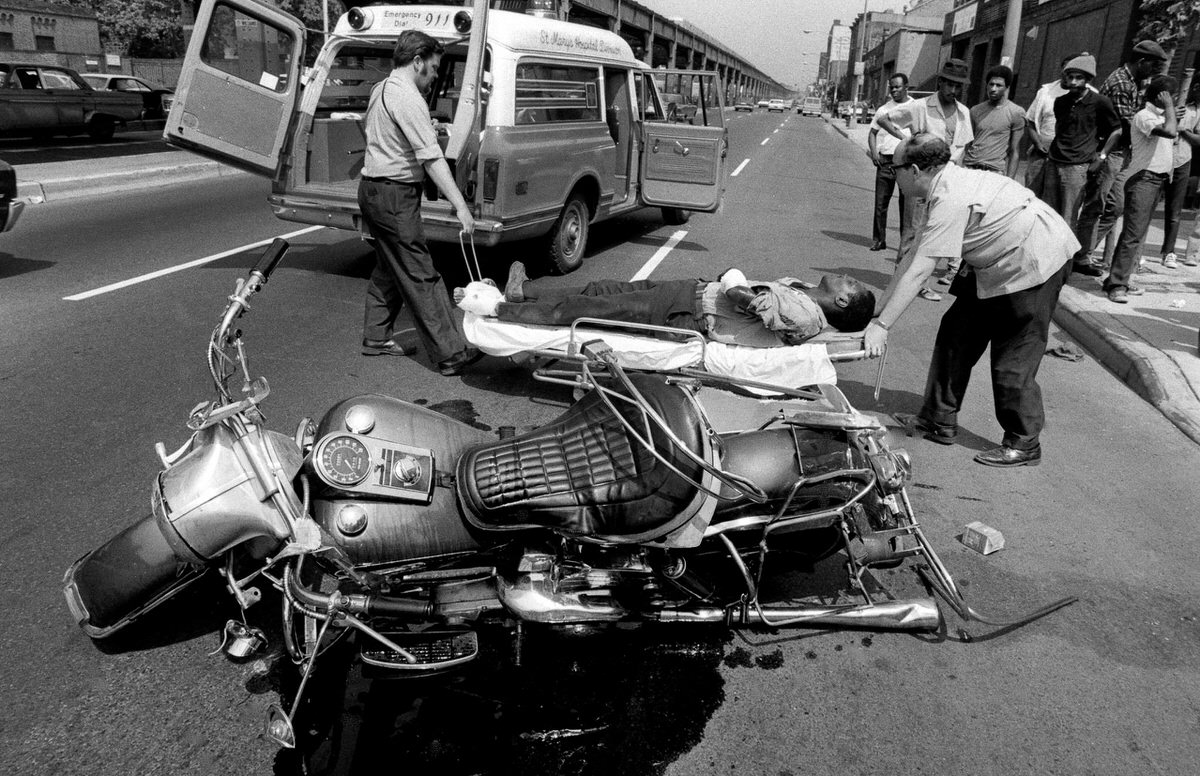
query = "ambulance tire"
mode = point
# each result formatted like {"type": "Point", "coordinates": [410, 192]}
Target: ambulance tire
{"type": "Point", "coordinates": [568, 237]}
{"type": "Point", "coordinates": [675, 216]}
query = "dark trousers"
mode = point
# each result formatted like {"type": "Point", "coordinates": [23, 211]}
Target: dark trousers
{"type": "Point", "coordinates": [1017, 326]}
{"type": "Point", "coordinates": [1174, 193]}
{"type": "Point", "coordinates": [1141, 195]}
{"type": "Point", "coordinates": [656, 302]}
{"type": "Point", "coordinates": [885, 186]}
{"type": "Point", "coordinates": [1103, 204]}
{"type": "Point", "coordinates": [404, 271]}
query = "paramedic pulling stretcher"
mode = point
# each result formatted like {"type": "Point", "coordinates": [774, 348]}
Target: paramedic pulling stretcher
{"type": "Point", "coordinates": [548, 126]}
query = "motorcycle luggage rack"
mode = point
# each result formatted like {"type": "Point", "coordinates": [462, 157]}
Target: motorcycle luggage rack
{"type": "Point", "coordinates": [435, 650]}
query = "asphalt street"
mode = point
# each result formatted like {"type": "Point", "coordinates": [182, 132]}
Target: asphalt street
{"type": "Point", "coordinates": [106, 306]}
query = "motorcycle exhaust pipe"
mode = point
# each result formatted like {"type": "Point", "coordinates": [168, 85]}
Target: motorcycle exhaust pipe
{"type": "Point", "coordinates": [124, 578]}
{"type": "Point", "coordinates": [915, 614]}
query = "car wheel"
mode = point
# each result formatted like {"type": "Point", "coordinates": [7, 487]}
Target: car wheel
{"type": "Point", "coordinates": [568, 237]}
{"type": "Point", "coordinates": [675, 216]}
{"type": "Point", "coordinates": [101, 129]}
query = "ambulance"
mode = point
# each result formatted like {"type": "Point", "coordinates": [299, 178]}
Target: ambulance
{"type": "Point", "coordinates": [549, 126]}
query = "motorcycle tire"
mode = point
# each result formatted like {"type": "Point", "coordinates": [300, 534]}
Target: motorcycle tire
{"type": "Point", "coordinates": [124, 578]}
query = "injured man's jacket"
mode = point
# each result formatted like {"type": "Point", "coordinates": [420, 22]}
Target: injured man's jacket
{"type": "Point", "coordinates": [732, 310]}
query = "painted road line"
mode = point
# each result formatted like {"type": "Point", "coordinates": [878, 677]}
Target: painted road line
{"type": "Point", "coordinates": [659, 255]}
{"type": "Point", "coordinates": [182, 267]}
{"type": "Point", "coordinates": [764, 142]}
{"type": "Point", "coordinates": [740, 167]}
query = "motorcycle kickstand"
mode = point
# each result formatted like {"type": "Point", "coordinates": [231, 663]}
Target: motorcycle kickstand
{"type": "Point", "coordinates": [280, 727]}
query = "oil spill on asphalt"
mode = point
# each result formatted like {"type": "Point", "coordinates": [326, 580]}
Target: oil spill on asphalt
{"type": "Point", "coordinates": [617, 702]}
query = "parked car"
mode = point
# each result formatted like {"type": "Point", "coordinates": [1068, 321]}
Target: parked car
{"type": "Point", "coordinates": [10, 209]}
{"type": "Point", "coordinates": [763, 103]}
{"type": "Point", "coordinates": [156, 98]}
{"type": "Point", "coordinates": [864, 112]}
{"type": "Point", "coordinates": [47, 100]}
{"type": "Point", "coordinates": [744, 105]}
{"type": "Point", "coordinates": [811, 106]}
{"type": "Point", "coordinates": [777, 105]}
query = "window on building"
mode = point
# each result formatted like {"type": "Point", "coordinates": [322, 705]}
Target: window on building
{"type": "Point", "coordinates": [43, 42]}
{"type": "Point", "coordinates": [6, 41]}
{"type": "Point", "coordinates": [553, 93]}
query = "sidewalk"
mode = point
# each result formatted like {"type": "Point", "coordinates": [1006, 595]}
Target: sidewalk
{"type": "Point", "coordinates": [1150, 343]}
{"type": "Point", "coordinates": [55, 181]}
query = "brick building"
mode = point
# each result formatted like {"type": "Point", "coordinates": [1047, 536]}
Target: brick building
{"type": "Point", "coordinates": [914, 51]}
{"type": "Point", "coordinates": [49, 33]}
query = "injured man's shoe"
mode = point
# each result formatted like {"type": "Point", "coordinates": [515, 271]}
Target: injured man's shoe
{"type": "Point", "coordinates": [478, 297]}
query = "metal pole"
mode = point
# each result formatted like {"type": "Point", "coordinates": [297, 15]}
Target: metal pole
{"type": "Point", "coordinates": [1012, 33]}
{"type": "Point", "coordinates": [862, 52]}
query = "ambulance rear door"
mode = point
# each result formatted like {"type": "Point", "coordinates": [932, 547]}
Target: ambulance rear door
{"type": "Point", "coordinates": [684, 140]}
{"type": "Point", "coordinates": [240, 84]}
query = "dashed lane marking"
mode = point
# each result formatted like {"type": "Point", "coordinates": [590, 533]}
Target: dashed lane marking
{"type": "Point", "coordinates": [740, 167]}
{"type": "Point", "coordinates": [182, 267]}
{"type": "Point", "coordinates": [764, 142]}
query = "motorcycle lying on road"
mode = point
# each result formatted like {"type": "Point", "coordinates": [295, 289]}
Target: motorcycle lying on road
{"type": "Point", "coordinates": [408, 531]}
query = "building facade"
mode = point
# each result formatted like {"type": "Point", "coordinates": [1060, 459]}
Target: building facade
{"type": "Point", "coordinates": [49, 33]}
{"type": "Point", "coordinates": [913, 51]}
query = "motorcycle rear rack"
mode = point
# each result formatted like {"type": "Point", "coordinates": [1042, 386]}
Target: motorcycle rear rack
{"type": "Point", "coordinates": [435, 650]}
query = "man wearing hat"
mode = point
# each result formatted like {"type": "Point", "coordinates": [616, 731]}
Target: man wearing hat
{"type": "Point", "coordinates": [1104, 198]}
{"type": "Point", "coordinates": [1086, 128]}
{"type": "Point", "coordinates": [1040, 128]}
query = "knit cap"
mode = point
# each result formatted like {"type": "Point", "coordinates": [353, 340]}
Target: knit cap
{"type": "Point", "coordinates": [1084, 63]}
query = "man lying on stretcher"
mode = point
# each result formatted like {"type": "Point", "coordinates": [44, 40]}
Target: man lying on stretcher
{"type": "Point", "coordinates": [733, 310]}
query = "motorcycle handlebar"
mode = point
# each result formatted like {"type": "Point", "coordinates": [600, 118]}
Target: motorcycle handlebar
{"type": "Point", "coordinates": [271, 258]}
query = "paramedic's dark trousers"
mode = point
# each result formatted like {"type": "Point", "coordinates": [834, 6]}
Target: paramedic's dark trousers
{"type": "Point", "coordinates": [1017, 326]}
{"type": "Point", "coordinates": [404, 271]}
{"type": "Point", "coordinates": [655, 302]}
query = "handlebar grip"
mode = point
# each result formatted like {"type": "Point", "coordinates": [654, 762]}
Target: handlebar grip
{"type": "Point", "coordinates": [271, 257]}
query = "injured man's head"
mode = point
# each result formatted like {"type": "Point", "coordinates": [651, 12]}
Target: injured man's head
{"type": "Point", "coordinates": [848, 304]}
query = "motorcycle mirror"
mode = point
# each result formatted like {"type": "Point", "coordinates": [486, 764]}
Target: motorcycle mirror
{"type": "Point", "coordinates": [279, 727]}
{"type": "Point", "coordinates": [242, 641]}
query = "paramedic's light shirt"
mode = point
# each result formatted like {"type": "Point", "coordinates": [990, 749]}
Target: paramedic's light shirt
{"type": "Point", "coordinates": [1011, 239]}
{"type": "Point", "coordinates": [400, 134]}
{"type": "Point", "coordinates": [779, 315]}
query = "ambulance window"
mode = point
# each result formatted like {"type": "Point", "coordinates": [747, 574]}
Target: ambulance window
{"type": "Point", "coordinates": [556, 93]}
{"type": "Point", "coordinates": [354, 71]}
{"type": "Point", "coordinates": [648, 105]}
{"type": "Point", "coordinates": [247, 48]}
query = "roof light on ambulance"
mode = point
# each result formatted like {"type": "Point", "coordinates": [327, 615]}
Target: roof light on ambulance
{"type": "Point", "coordinates": [462, 22]}
{"type": "Point", "coordinates": [360, 18]}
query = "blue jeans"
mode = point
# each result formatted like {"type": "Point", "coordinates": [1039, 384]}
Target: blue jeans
{"type": "Point", "coordinates": [1173, 196]}
{"type": "Point", "coordinates": [1141, 195]}
{"type": "Point", "coordinates": [1062, 189]}
{"type": "Point", "coordinates": [1103, 204]}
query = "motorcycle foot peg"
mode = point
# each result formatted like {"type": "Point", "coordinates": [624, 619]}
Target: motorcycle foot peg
{"type": "Point", "coordinates": [242, 641]}
{"type": "Point", "coordinates": [279, 727]}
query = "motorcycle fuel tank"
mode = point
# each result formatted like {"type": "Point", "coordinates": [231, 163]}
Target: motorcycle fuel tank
{"type": "Point", "coordinates": [386, 473]}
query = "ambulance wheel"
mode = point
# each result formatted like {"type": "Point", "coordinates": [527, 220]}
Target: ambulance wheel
{"type": "Point", "coordinates": [675, 216]}
{"type": "Point", "coordinates": [568, 237]}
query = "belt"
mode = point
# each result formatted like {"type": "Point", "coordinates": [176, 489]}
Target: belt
{"type": "Point", "coordinates": [701, 318]}
{"type": "Point", "coordinates": [392, 181]}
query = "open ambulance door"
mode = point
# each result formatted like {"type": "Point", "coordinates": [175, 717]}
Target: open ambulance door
{"type": "Point", "coordinates": [239, 86]}
{"type": "Point", "coordinates": [684, 140]}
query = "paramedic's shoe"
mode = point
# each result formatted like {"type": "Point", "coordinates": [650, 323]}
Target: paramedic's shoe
{"type": "Point", "coordinates": [388, 347]}
{"type": "Point", "coordinates": [458, 362]}
{"type": "Point", "coordinates": [514, 289]}
{"type": "Point", "coordinates": [1006, 457]}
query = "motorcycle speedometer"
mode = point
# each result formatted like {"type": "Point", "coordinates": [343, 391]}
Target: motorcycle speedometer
{"type": "Point", "coordinates": [344, 460]}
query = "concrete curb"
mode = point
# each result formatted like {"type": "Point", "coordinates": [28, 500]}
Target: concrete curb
{"type": "Point", "coordinates": [58, 189]}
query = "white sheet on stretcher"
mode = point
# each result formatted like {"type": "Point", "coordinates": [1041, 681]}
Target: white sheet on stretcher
{"type": "Point", "coordinates": [792, 367]}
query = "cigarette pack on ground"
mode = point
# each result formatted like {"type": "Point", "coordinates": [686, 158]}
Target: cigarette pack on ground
{"type": "Point", "coordinates": [982, 538]}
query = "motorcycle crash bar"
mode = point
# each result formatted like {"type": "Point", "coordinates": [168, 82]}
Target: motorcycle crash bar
{"type": "Point", "coordinates": [919, 614]}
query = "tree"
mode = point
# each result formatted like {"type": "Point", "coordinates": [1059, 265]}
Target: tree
{"type": "Point", "coordinates": [138, 28]}
{"type": "Point", "coordinates": [1168, 21]}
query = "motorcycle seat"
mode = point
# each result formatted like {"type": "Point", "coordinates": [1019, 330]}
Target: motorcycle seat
{"type": "Point", "coordinates": [585, 474]}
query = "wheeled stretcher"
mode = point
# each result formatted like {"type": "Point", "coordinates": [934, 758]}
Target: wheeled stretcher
{"type": "Point", "coordinates": [765, 371]}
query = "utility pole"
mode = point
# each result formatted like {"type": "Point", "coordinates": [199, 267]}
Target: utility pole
{"type": "Point", "coordinates": [1012, 31]}
{"type": "Point", "coordinates": [862, 51]}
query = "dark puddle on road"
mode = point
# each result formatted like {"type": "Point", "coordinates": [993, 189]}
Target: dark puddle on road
{"type": "Point", "coordinates": [614, 702]}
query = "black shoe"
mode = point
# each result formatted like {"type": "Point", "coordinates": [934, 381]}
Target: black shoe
{"type": "Point", "coordinates": [1087, 268]}
{"type": "Point", "coordinates": [459, 361]}
{"type": "Point", "coordinates": [879, 245]}
{"type": "Point", "coordinates": [943, 435]}
{"type": "Point", "coordinates": [514, 288]}
{"type": "Point", "coordinates": [388, 347]}
{"type": "Point", "coordinates": [1005, 456]}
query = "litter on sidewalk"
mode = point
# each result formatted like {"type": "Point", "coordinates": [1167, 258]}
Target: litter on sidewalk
{"type": "Point", "coordinates": [982, 538]}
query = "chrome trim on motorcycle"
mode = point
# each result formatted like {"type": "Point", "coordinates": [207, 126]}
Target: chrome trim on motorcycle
{"type": "Point", "coordinates": [916, 614]}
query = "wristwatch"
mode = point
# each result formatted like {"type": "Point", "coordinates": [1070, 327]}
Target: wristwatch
{"type": "Point", "coordinates": [1103, 157]}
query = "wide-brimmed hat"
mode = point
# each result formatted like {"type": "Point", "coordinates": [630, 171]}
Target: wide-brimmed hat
{"type": "Point", "coordinates": [955, 70]}
{"type": "Point", "coordinates": [1148, 49]}
{"type": "Point", "coordinates": [1083, 62]}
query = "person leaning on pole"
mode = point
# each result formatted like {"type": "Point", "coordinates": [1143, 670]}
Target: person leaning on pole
{"type": "Point", "coordinates": [1018, 252]}
{"type": "Point", "coordinates": [402, 148]}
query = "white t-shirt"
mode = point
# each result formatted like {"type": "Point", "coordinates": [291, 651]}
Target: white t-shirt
{"type": "Point", "coordinates": [886, 142]}
{"type": "Point", "coordinates": [1149, 151]}
{"type": "Point", "coordinates": [926, 116]}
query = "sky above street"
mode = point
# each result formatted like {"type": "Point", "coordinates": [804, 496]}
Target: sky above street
{"type": "Point", "coordinates": [770, 33]}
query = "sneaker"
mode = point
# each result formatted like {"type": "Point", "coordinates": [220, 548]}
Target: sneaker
{"type": "Point", "coordinates": [1171, 261]}
{"type": "Point", "coordinates": [1191, 261]}
{"type": "Point", "coordinates": [930, 294]}
{"type": "Point", "coordinates": [945, 280]}
{"type": "Point", "coordinates": [1135, 290]}
{"type": "Point", "coordinates": [1118, 295]}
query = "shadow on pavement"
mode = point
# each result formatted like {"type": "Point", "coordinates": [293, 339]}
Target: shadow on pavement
{"type": "Point", "coordinates": [11, 266]}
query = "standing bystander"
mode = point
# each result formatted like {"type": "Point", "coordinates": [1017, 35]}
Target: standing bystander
{"type": "Point", "coordinates": [1086, 129]}
{"type": "Point", "coordinates": [1104, 196]}
{"type": "Point", "coordinates": [880, 150]}
{"type": "Point", "coordinates": [1039, 128]}
{"type": "Point", "coordinates": [1176, 189]}
{"type": "Point", "coordinates": [998, 123]}
{"type": "Point", "coordinates": [1150, 165]}
{"type": "Point", "coordinates": [402, 148]}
